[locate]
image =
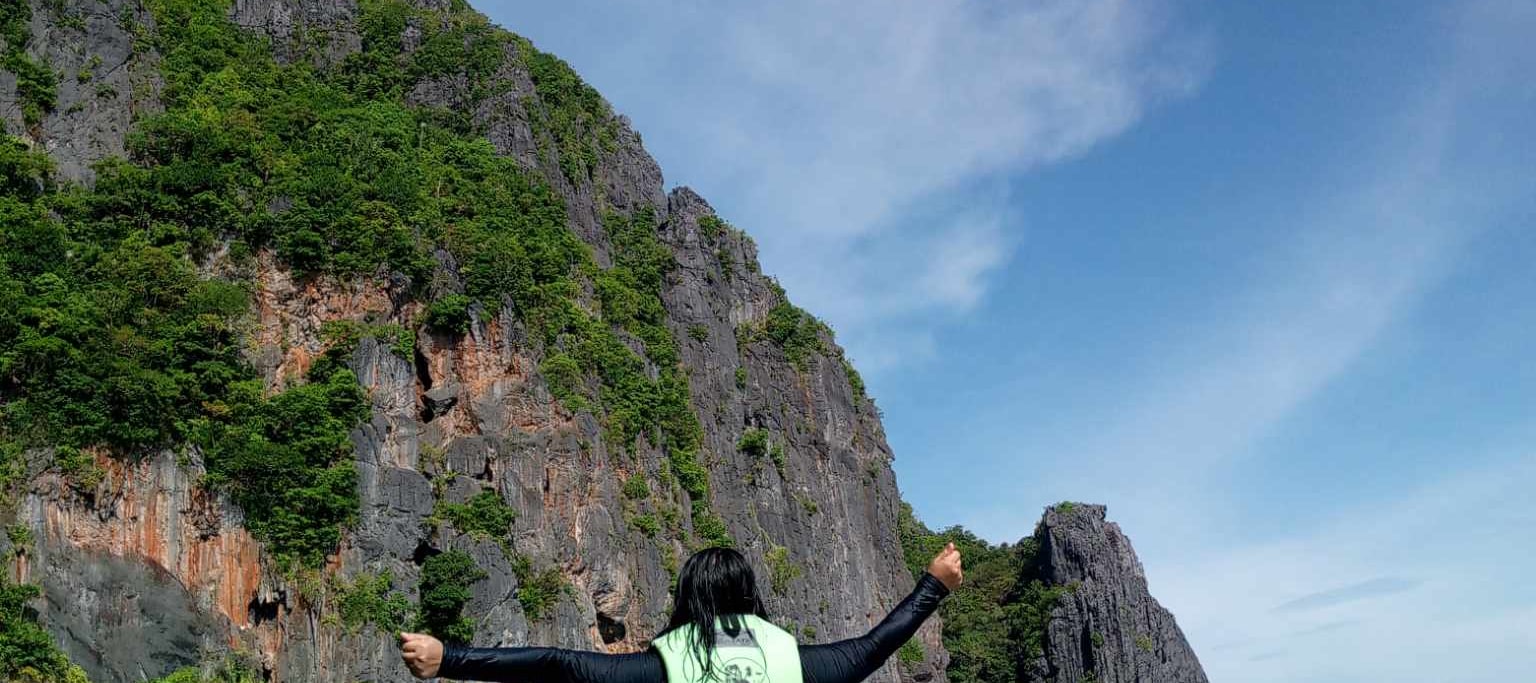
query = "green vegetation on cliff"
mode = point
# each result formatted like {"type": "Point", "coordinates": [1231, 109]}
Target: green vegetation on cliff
{"type": "Point", "coordinates": [286, 460]}
{"type": "Point", "coordinates": [36, 82]}
{"type": "Point", "coordinates": [115, 338]}
{"type": "Point", "coordinates": [112, 340]}
{"type": "Point", "coordinates": [449, 314]}
{"type": "Point", "coordinates": [998, 616]}
{"type": "Point", "coordinates": [27, 652]}
{"type": "Point", "coordinates": [484, 515]}
{"type": "Point", "coordinates": [231, 669]}
{"type": "Point", "coordinates": [573, 114]}
{"type": "Point", "coordinates": [508, 233]}
{"type": "Point", "coordinates": [795, 331]}
{"type": "Point", "coordinates": [445, 581]}
{"type": "Point", "coordinates": [537, 591]}
{"type": "Point", "coordinates": [801, 336]}
{"type": "Point", "coordinates": [781, 569]}
{"type": "Point", "coordinates": [371, 599]}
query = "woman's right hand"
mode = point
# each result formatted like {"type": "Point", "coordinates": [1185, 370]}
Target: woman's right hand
{"type": "Point", "coordinates": [946, 567]}
{"type": "Point", "coordinates": [422, 653]}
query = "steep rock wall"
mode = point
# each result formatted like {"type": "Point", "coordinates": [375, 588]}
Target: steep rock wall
{"type": "Point", "coordinates": [145, 572]}
{"type": "Point", "coordinates": [1106, 626]}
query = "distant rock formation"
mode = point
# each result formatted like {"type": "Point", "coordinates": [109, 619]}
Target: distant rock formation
{"type": "Point", "coordinates": [1106, 626]}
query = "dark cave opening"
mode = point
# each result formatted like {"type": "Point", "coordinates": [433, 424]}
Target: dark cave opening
{"type": "Point", "coordinates": [612, 631]}
{"type": "Point", "coordinates": [423, 551]}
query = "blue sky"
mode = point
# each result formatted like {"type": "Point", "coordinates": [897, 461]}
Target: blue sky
{"type": "Point", "coordinates": [1256, 275]}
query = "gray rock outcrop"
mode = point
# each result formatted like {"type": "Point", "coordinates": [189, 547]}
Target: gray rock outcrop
{"type": "Point", "coordinates": [1106, 627]}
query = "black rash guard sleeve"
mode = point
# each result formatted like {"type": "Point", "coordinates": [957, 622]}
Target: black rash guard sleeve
{"type": "Point", "coordinates": [549, 665]}
{"type": "Point", "coordinates": [844, 661]}
{"type": "Point", "coordinates": [854, 659]}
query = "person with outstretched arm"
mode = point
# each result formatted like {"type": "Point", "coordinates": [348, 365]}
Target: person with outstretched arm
{"type": "Point", "coordinates": [719, 632]}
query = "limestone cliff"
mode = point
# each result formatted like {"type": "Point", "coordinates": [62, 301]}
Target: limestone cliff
{"type": "Point", "coordinates": [145, 571]}
{"type": "Point", "coordinates": [1105, 625]}
{"type": "Point", "coordinates": [481, 434]}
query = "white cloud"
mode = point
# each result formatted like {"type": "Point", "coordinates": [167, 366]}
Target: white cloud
{"type": "Point", "coordinates": [1450, 553]}
{"type": "Point", "coordinates": [1361, 259]}
{"type": "Point", "coordinates": [838, 133]}
{"type": "Point", "coordinates": [959, 262]}
{"type": "Point", "coordinates": [1419, 585]}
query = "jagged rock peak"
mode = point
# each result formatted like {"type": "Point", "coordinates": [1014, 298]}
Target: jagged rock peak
{"type": "Point", "coordinates": [1106, 626]}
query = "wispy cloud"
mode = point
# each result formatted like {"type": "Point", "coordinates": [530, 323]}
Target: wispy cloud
{"type": "Point", "coordinates": [1471, 597]}
{"type": "Point", "coordinates": [850, 137]}
{"type": "Point", "coordinates": [1360, 259]}
{"type": "Point", "coordinates": [1325, 627]}
{"type": "Point", "coordinates": [1385, 585]}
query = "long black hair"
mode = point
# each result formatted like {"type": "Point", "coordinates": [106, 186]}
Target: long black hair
{"type": "Point", "coordinates": [715, 582]}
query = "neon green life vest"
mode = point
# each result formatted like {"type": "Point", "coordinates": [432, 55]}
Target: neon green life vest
{"type": "Point", "coordinates": [760, 653]}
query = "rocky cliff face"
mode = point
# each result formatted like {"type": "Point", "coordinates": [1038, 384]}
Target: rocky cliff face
{"type": "Point", "coordinates": [1106, 626]}
{"type": "Point", "coordinates": [145, 570]}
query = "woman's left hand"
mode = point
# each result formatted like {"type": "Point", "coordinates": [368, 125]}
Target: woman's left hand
{"type": "Point", "coordinates": [422, 653]}
{"type": "Point", "coordinates": [946, 566]}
